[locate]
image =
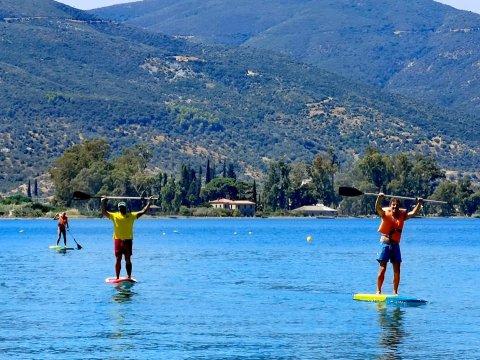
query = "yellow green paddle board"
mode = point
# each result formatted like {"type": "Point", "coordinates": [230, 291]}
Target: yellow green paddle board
{"type": "Point", "coordinates": [388, 298]}
{"type": "Point", "coordinates": [60, 248]}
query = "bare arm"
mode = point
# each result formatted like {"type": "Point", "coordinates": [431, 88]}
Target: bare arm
{"type": "Point", "coordinates": [146, 208]}
{"type": "Point", "coordinates": [378, 204]}
{"type": "Point", "coordinates": [416, 209]}
{"type": "Point", "coordinates": [102, 207]}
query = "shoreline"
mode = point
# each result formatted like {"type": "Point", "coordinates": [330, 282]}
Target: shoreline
{"type": "Point", "coordinates": [179, 217]}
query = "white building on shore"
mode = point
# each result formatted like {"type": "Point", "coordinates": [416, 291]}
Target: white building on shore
{"type": "Point", "coordinates": [318, 210]}
{"type": "Point", "coordinates": [246, 207]}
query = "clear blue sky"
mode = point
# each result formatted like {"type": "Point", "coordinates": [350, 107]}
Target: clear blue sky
{"type": "Point", "coordinates": [92, 4]}
{"type": "Point", "coordinates": [471, 5]}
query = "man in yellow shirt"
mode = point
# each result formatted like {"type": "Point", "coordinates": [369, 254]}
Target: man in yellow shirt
{"type": "Point", "coordinates": [123, 232]}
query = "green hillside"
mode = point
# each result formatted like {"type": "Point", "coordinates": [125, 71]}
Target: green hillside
{"type": "Point", "coordinates": [418, 48]}
{"type": "Point", "coordinates": [66, 76]}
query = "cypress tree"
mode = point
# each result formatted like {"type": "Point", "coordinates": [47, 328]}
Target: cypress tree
{"type": "Point", "coordinates": [200, 175]}
{"type": "Point", "coordinates": [29, 189]}
{"type": "Point", "coordinates": [231, 172]}
{"type": "Point", "coordinates": [35, 188]}
{"type": "Point", "coordinates": [184, 184]}
{"type": "Point", "coordinates": [208, 175]}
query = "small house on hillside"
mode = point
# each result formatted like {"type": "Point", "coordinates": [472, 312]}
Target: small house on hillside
{"type": "Point", "coordinates": [246, 208]}
{"type": "Point", "coordinates": [319, 210]}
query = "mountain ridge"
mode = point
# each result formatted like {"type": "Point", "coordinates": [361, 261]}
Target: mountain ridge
{"type": "Point", "coordinates": [420, 49]}
{"type": "Point", "coordinates": [72, 77]}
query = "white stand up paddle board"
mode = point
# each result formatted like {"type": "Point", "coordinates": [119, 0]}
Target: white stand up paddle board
{"type": "Point", "coordinates": [114, 280]}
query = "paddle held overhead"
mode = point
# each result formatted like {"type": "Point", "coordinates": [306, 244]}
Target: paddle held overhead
{"type": "Point", "coordinates": [351, 191]}
{"type": "Point", "coordinates": [79, 195]}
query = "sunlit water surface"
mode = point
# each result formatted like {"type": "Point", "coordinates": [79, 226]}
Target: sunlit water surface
{"type": "Point", "coordinates": [238, 288]}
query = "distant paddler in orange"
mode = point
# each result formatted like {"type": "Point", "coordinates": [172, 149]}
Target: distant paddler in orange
{"type": "Point", "coordinates": [62, 227]}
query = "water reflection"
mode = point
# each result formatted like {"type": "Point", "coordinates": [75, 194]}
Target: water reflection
{"type": "Point", "coordinates": [124, 293]}
{"type": "Point", "coordinates": [392, 330]}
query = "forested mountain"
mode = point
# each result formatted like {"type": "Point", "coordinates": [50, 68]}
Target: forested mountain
{"type": "Point", "coordinates": [66, 76]}
{"type": "Point", "coordinates": [419, 48]}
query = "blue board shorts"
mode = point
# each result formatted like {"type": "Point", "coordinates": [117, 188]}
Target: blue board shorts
{"type": "Point", "coordinates": [389, 252]}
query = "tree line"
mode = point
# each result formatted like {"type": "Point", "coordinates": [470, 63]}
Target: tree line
{"type": "Point", "coordinates": [89, 167]}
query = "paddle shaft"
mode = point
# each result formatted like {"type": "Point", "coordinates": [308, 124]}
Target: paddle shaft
{"type": "Point", "coordinates": [408, 198]}
{"type": "Point", "coordinates": [78, 245]}
{"type": "Point", "coordinates": [79, 195]}
{"type": "Point", "coordinates": [124, 197]}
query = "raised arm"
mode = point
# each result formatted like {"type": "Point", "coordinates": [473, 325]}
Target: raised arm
{"type": "Point", "coordinates": [146, 208]}
{"type": "Point", "coordinates": [102, 207]}
{"type": "Point", "coordinates": [378, 204]}
{"type": "Point", "coordinates": [416, 209]}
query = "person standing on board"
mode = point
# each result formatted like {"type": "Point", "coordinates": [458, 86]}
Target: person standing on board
{"type": "Point", "coordinates": [391, 229]}
{"type": "Point", "coordinates": [123, 232]}
{"type": "Point", "coordinates": [62, 227]}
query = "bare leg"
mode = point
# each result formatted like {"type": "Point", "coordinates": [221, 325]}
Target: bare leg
{"type": "Point", "coordinates": [381, 276]}
{"type": "Point", "coordinates": [396, 277]}
{"type": "Point", "coordinates": [128, 265]}
{"type": "Point", "coordinates": [58, 235]}
{"type": "Point", "coordinates": [118, 265]}
{"type": "Point", "coordinates": [64, 233]}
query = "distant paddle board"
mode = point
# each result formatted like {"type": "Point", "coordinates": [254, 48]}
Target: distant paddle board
{"type": "Point", "coordinates": [60, 248]}
{"type": "Point", "coordinates": [124, 280]}
{"type": "Point", "coordinates": [397, 299]}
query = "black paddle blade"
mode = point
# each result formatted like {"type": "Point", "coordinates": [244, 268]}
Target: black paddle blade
{"type": "Point", "coordinates": [78, 195]}
{"type": "Point", "coordinates": [349, 191]}
{"type": "Point", "coordinates": [79, 247]}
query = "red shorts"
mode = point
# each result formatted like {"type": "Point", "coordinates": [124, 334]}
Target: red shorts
{"type": "Point", "coordinates": [123, 247]}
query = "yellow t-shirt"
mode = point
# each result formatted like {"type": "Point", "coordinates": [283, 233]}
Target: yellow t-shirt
{"type": "Point", "coordinates": [123, 225]}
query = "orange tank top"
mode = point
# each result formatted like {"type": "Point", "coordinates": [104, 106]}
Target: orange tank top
{"type": "Point", "coordinates": [391, 226]}
{"type": "Point", "coordinates": [62, 221]}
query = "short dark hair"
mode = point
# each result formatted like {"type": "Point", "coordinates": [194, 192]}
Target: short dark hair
{"type": "Point", "coordinates": [392, 200]}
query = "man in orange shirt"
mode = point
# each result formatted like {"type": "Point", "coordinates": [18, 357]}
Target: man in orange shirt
{"type": "Point", "coordinates": [391, 228]}
{"type": "Point", "coordinates": [62, 227]}
{"type": "Point", "coordinates": [123, 233]}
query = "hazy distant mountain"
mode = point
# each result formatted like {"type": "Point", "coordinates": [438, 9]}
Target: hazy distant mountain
{"type": "Point", "coordinates": [419, 48]}
{"type": "Point", "coordinates": [66, 76]}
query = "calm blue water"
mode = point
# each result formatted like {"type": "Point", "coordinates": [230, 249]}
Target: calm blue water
{"type": "Point", "coordinates": [238, 289]}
